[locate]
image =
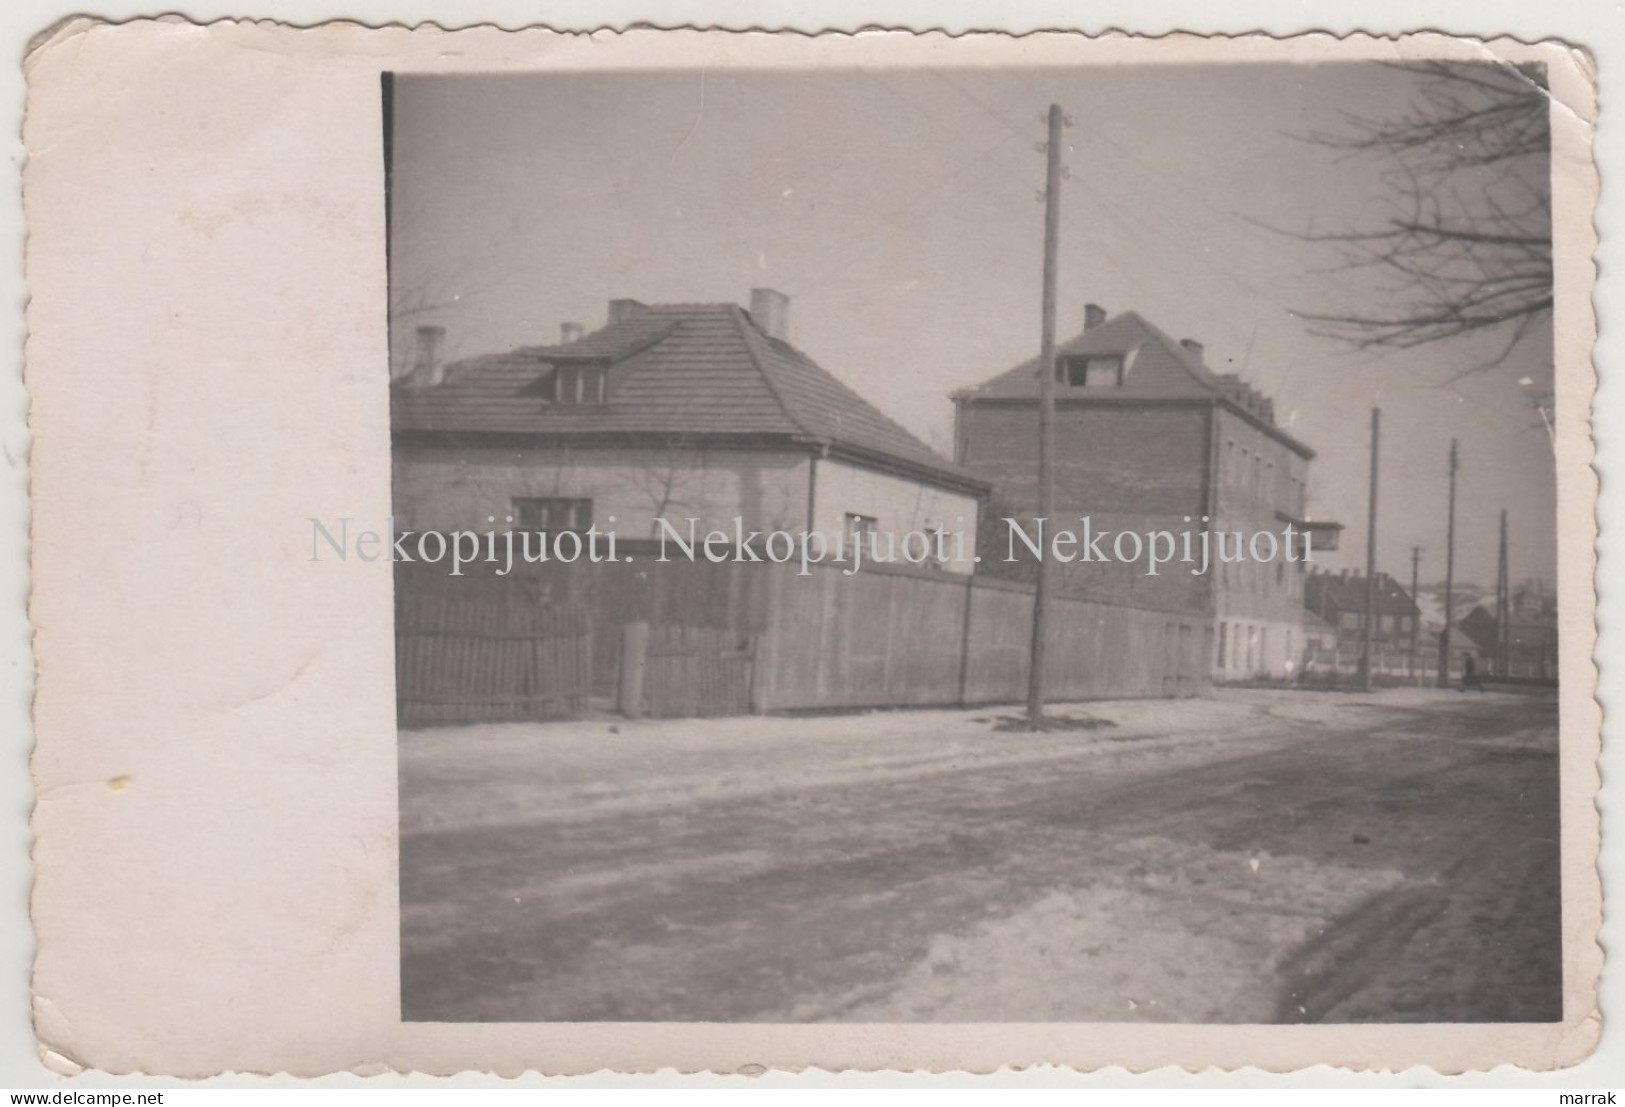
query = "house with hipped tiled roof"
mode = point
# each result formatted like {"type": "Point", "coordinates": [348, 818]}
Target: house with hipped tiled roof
{"type": "Point", "coordinates": [1339, 598]}
{"type": "Point", "coordinates": [675, 411]}
{"type": "Point", "coordinates": [1149, 438]}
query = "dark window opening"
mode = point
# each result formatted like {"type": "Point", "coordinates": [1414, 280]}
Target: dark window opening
{"type": "Point", "coordinates": [860, 530]}
{"type": "Point", "coordinates": [552, 516]}
{"type": "Point", "coordinates": [576, 385]}
{"type": "Point", "coordinates": [1090, 371]}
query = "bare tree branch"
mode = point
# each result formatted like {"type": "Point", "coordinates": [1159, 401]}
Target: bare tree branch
{"type": "Point", "coordinates": [1467, 246]}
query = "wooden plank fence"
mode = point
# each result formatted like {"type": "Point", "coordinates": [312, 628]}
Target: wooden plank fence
{"type": "Point", "coordinates": [697, 671]}
{"type": "Point", "coordinates": [470, 650]}
{"type": "Point", "coordinates": [732, 638]}
{"type": "Point", "coordinates": [889, 637]}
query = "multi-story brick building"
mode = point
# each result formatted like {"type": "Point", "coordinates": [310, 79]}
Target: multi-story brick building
{"type": "Point", "coordinates": [1148, 438]}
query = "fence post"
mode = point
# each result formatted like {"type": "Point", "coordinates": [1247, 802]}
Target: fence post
{"type": "Point", "coordinates": [763, 655]}
{"type": "Point", "coordinates": [634, 661]}
{"type": "Point", "coordinates": [964, 638]}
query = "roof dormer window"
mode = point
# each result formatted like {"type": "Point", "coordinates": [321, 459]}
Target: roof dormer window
{"type": "Point", "coordinates": [1090, 371]}
{"type": "Point", "coordinates": [579, 385]}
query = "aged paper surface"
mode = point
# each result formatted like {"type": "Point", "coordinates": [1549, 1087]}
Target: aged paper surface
{"type": "Point", "coordinates": [223, 788]}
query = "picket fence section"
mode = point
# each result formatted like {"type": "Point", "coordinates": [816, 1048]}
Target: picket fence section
{"type": "Point", "coordinates": [732, 638]}
{"type": "Point", "coordinates": [476, 651]}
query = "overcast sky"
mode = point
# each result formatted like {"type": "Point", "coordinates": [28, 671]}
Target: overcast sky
{"type": "Point", "coordinates": [899, 212]}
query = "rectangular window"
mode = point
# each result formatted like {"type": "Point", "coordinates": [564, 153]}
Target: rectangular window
{"type": "Point", "coordinates": [552, 516]}
{"type": "Point", "coordinates": [932, 561]}
{"type": "Point", "coordinates": [1223, 627]}
{"type": "Point", "coordinates": [860, 530]}
{"type": "Point", "coordinates": [1091, 372]}
{"type": "Point", "coordinates": [575, 385]}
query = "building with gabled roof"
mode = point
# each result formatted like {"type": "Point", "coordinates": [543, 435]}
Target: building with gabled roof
{"type": "Point", "coordinates": [702, 411]}
{"type": "Point", "coordinates": [1149, 438]}
{"type": "Point", "coordinates": [1528, 648]}
{"type": "Point", "coordinates": [1339, 599]}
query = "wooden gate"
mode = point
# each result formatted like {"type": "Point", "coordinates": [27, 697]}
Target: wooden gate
{"type": "Point", "coordinates": [470, 650]}
{"type": "Point", "coordinates": [698, 671]}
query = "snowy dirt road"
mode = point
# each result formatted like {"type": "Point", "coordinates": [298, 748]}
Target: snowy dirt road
{"type": "Point", "coordinates": [1255, 857]}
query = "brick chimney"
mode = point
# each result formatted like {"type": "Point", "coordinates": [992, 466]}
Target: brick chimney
{"type": "Point", "coordinates": [622, 310]}
{"type": "Point", "coordinates": [570, 332]}
{"type": "Point", "coordinates": [1193, 346]}
{"type": "Point", "coordinates": [429, 366]}
{"type": "Point", "coordinates": [770, 310]}
{"type": "Point", "coordinates": [1093, 316]}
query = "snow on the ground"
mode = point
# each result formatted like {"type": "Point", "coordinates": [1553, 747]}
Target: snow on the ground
{"type": "Point", "coordinates": [496, 773]}
{"type": "Point", "coordinates": [1172, 931]}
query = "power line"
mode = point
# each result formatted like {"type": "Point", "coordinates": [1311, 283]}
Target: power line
{"type": "Point", "coordinates": [1180, 248]}
{"type": "Point", "coordinates": [1014, 132]}
{"type": "Point", "coordinates": [912, 207]}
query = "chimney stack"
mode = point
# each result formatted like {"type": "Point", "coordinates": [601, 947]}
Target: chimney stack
{"type": "Point", "coordinates": [770, 310]}
{"type": "Point", "coordinates": [1093, 316]}
{"type": "Point", "coordinates": [429, 369]}
{"type": "Point", "coordinates": [570, 332]}
{"type": "Point", "coordinates": [1193, 346]}
{"type": "Point", "coordinates": [622, 310]}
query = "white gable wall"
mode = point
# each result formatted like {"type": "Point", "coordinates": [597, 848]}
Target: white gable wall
{"type": "Point", "coordinates": [898, 504]}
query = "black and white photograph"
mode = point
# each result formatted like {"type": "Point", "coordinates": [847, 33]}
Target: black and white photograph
{"type": "Point", "coordinates": [700, 557]}
{"type": "Point", "coordinates": [976, 544]}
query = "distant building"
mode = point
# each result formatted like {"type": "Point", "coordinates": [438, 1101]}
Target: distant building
{"type": "Point", "coordinates": [1462, 647]}
{"type": "Point", "coordinates": [1319, 644]}
{"type": "Point", "coordinates": [1339, 600]}
{"type": "Point", "coordinates": [1531, 641]}
{"type": "Point", "coordinates": [671, 411]}
{"type": "Point", "coordinates": [1149, 438]}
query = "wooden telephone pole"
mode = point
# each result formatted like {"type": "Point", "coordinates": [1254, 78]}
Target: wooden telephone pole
{"type": "Point", "coordinates": [1449, 577]}
{"type": "Point", "coordinates": [1416, 619]}
{"type": "Point", "coordinates": [1046, 414]}
{"type": "Point", "coordinates": [1368, 621]}
{"type": "Point", "coordinates": [1503, 606]}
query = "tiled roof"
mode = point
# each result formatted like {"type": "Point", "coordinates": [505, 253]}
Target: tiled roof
{"type": "Point", "coordinates": [1160, 367]}
{"type": "Point", "coordinates": [1314, 623]}
{"type": "Point", "coordinates": [676, 369]}
{"type": "Point", "coordinates": [1334, 592]}
{"type": "Point", "coordinates": [1156, 368]}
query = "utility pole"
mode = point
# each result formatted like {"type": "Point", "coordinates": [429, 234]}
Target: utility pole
{"type": "Point", "coordinates": [1046, 415]}
{"type": "Point", "coordinates": [1416, 619]}
{"type": "Point", "coordinates": [1370, 618]}
{"type": "Point", "coordinates": [1503, 606]}
{"type": "Point", "coordinates": [1449, 577]}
